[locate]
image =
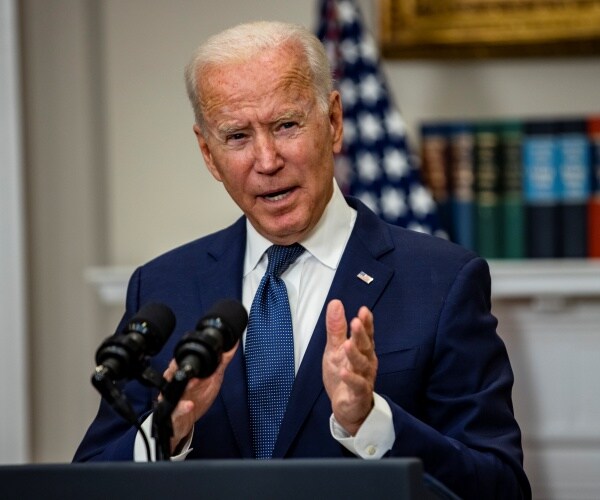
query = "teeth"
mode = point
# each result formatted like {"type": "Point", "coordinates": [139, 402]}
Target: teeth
{"type": "Point", "coordinates": [277, 197]}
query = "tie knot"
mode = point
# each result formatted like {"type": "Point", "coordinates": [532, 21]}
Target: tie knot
{"type": "Point", "coordinates": [281, 257]}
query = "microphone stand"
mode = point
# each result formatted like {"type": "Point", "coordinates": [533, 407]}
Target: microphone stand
{"type": "Point", "coordinates": [102, 381]}
{"type": "Point", "coordinates": [162, 426]}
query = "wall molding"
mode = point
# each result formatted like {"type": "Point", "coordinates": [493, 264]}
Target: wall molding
{"type": "Point", "coordinates": [547, 282]}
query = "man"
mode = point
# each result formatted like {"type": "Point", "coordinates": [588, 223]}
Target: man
{"type": "Point", "coordinates": [394, 346]}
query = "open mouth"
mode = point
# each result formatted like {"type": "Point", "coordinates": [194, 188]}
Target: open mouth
{"type": "Point", "coordinates": [277, 195]}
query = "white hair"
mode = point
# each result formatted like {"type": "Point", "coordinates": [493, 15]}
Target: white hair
{"type": "Point", "coordinates": [244, 41]}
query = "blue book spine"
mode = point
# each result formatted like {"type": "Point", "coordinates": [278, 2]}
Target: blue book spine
{"type": "Point", "coordinates": [574, 167]}
{"type": "Point", "coordinates": [541, 189]}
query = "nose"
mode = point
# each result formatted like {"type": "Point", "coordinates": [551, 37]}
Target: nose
{"type": "Point", "coordinates": [266, 155]}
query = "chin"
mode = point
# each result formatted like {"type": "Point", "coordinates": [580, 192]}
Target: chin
{"type": "Point", "coordinates": [286, 234]}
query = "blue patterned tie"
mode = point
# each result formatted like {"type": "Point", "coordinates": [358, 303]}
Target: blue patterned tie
{"type": "Point", "coordinates": [269, 351]}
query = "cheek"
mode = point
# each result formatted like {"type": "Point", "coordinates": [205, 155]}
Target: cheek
{"type": "Point", "coordinates": [234, 181]}
{"type": "Point", "coordinates": [319, 157]}
{"type": "Point", "coordinates": [231, 169]}
{"type": "Point", "coordinates": [322, 144]}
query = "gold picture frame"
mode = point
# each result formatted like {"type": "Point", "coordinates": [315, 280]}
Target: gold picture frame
{"type": "Point", "coordinates": [438, 29]}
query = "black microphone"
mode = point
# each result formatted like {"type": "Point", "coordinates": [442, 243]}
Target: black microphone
{"type": "Point", "coordinates": [198, 353]}
{"type": "Point", "coordinates": [123, 356]}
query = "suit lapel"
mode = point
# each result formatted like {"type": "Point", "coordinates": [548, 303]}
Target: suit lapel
{"type": "Point", "coordinates": [368, 242]}
{"type": "Point", "coordinates": [221, 279]}
{"type": "Point", "coordinates": [220, 270]}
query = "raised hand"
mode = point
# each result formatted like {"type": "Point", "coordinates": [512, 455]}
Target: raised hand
{"type": "Point", "coordinates": [349, 365]}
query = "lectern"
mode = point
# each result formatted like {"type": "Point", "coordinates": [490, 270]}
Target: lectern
{"type": "Point", "coordinates": [312, 479]}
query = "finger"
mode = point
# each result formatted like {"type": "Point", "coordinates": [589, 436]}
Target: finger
{"type": "Point", "coordinates": [183, 408]}
{"type": "Point", "coordinates": [170, 371]}
{"type": "Point", "coordinates": [360, 336]}
{"type": "Point", "coordinates": [336, 325]}
{"type": "Point", "coordinates": [361, 363]}
{"type": "Point", "coordinates": [182, 420]}
{"type": "Point", "coordinates": [366, 316]}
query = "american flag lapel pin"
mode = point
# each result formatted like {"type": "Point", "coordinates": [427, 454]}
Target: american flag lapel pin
{"type": "Point", "coordinates": [364, 277]}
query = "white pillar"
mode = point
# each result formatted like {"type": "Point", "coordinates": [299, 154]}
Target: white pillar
{"type": "Point", "coordinates": [14, 421]}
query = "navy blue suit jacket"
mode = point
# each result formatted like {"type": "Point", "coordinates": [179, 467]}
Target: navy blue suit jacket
{"type": "Point", "coordinates": [442, 368]}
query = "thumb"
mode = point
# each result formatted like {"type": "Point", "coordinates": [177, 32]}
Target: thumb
{"type": "Point", "coordinates": [335, 323]}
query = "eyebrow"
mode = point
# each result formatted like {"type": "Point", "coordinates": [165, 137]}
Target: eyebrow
{"type": "Point", "coordinates": [291, 114]}
{"type": "Point", "coordinates": [227, 129]}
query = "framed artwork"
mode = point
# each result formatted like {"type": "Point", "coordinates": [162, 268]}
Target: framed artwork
{"type": "Point", "coordinates": [438, 29]}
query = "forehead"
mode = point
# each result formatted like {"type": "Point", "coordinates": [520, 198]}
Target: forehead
{"type": "Point", "coordinates": [270, 76]}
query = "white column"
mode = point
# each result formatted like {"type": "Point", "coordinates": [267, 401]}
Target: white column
{"type": "Point", "coordinates": [14, 422]}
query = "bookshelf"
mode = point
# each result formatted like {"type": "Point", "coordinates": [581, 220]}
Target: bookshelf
{"type": "Point", "coordinates": [547, 282]}
{"type": "Point", "coordinates": [517, 188]}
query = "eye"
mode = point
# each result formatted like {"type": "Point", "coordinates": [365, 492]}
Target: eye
{"type": "Point", "coordinates": [288, 125]}
{"type": "Point", "coordinates": [237, 136]}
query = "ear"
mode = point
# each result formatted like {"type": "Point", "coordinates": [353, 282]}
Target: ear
{"type": "Point", "coordinates": [206, 154]}
{"type": "Point", "coordinates": [336, 120]}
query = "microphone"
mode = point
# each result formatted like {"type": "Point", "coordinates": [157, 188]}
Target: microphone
{"type": "Point", "coordinates": [198, 353]}
{"type": "Point", "coordinates": [123, 356]}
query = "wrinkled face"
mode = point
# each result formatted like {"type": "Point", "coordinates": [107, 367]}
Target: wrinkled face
{"type": "Point", "coordinates": [270, 144]}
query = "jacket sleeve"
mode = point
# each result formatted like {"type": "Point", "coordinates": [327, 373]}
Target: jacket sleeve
{"type": "Point", "coordinates": [467, 437]}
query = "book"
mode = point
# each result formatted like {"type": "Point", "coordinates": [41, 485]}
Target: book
{"type": "Point", "coordinates": [541, 188]}
{"type": "Point", "coordinates": [435, 170]}
{"type": "Point", "coordinates": [462, 181]}
{"type": "Point", "coordinates": [593, 130]}
{"type": "Point", "coordinates": [488, 231]}
{"type": "Point", "coordinates": [512, 211]}
{"type": "Point", "coordinates": [574, 186]}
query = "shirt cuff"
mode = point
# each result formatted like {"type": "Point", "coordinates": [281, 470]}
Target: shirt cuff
{"type": "Point", "coordinates": [139, 448]}
{"type": "Point", "coordinates": [375, 436]}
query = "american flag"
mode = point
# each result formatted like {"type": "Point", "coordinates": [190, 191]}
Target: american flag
{"type": "Point", "coordinates": [375, 165]}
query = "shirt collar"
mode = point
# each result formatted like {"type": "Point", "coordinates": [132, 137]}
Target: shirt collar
{"type": "Point", "coordinates": [326, 242]}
